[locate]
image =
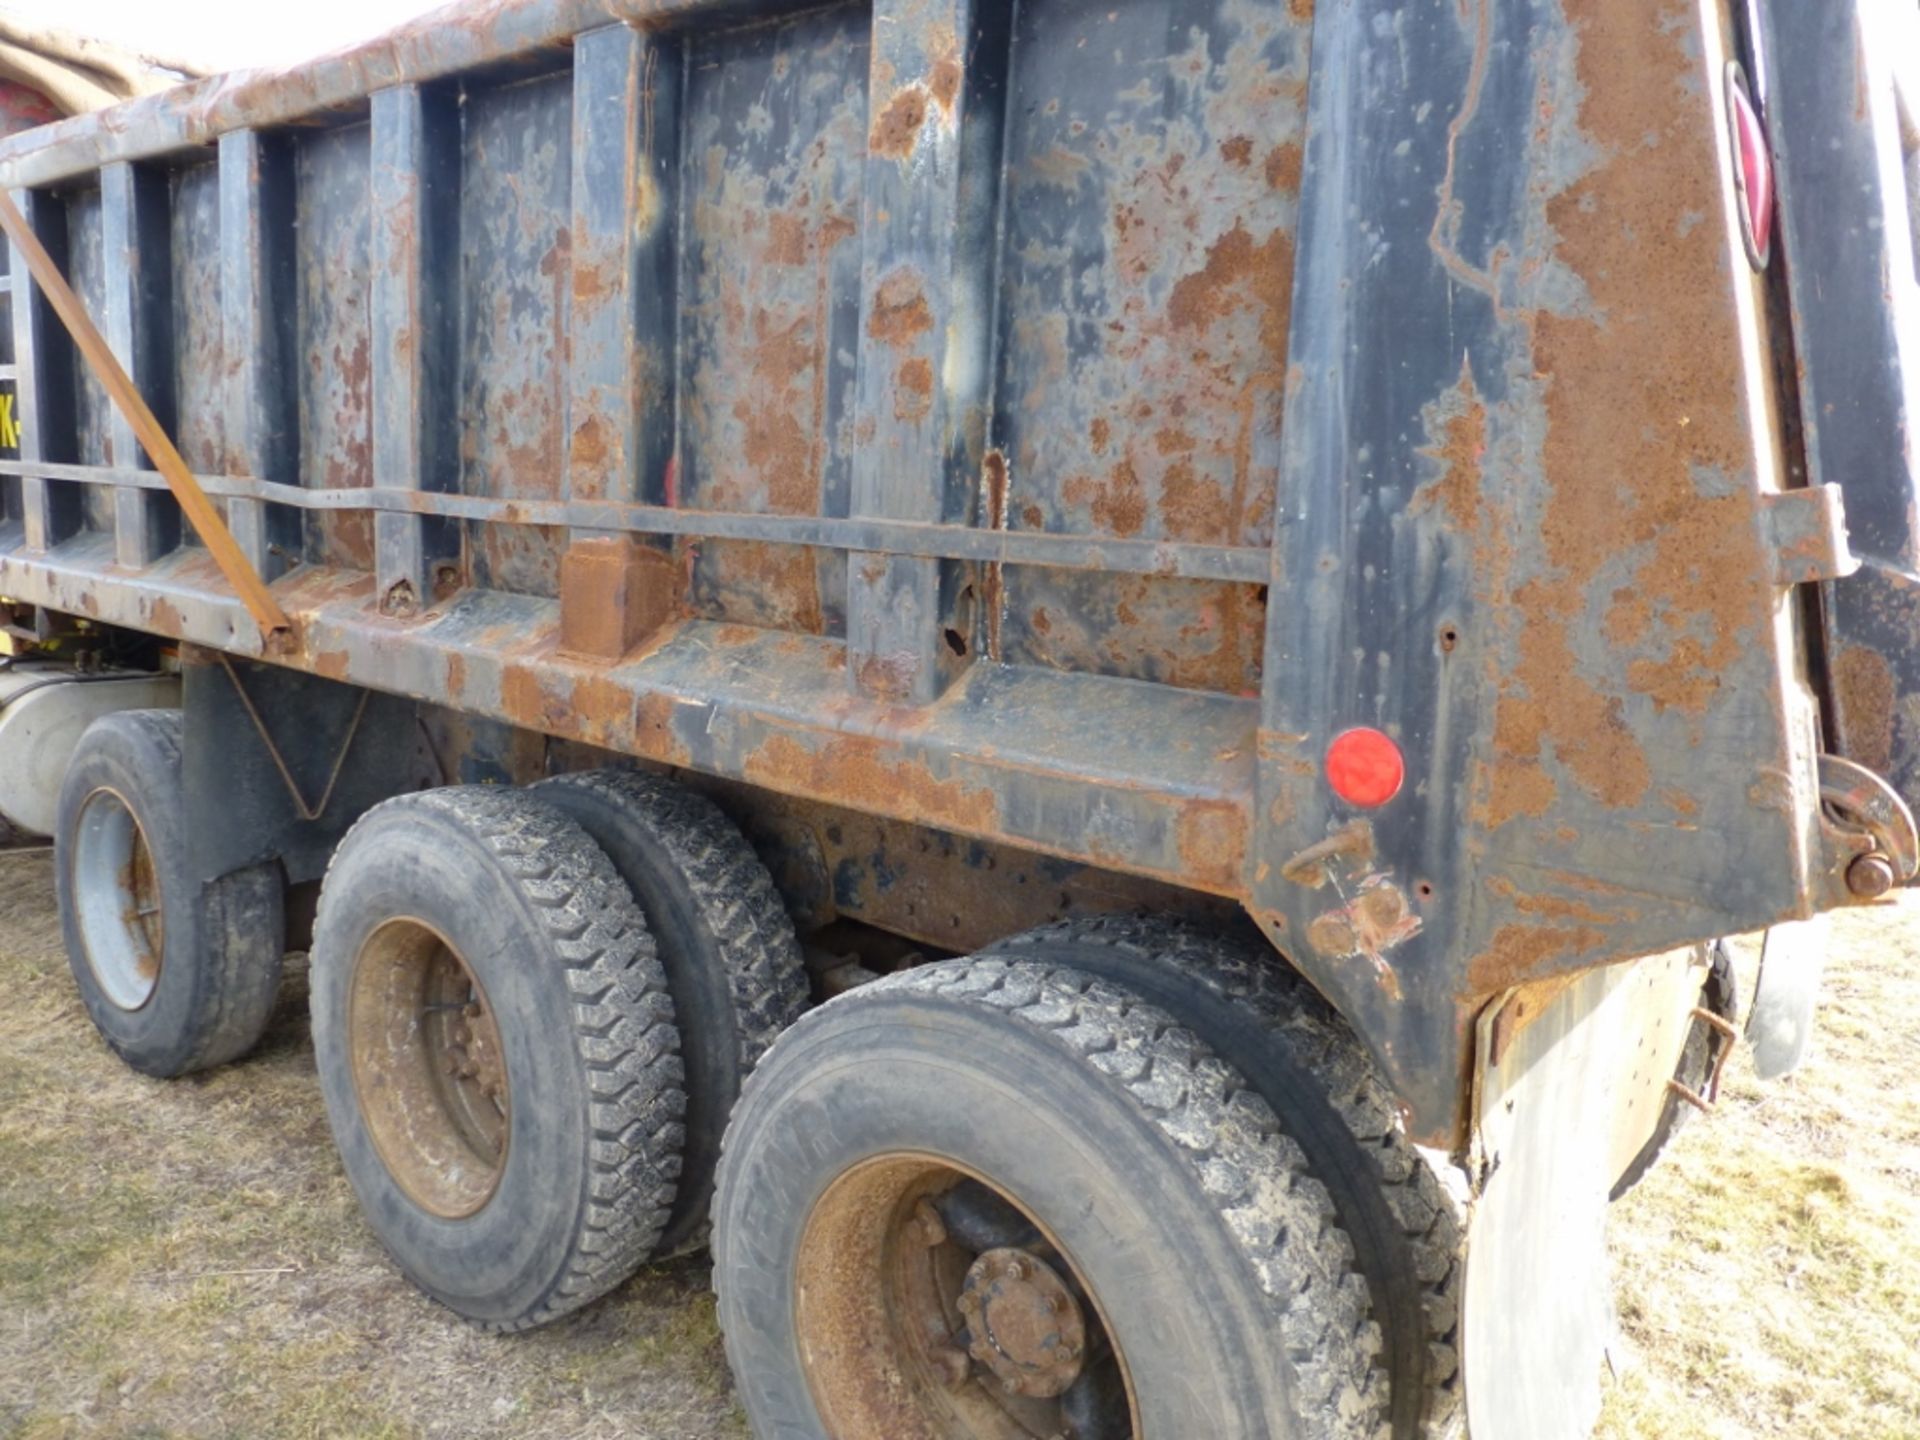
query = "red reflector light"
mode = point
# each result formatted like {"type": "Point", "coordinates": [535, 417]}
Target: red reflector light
{"type": "Point", "coordinates": [1752, 168]}
{"type": "Point", "coordinates": [1364, 767]}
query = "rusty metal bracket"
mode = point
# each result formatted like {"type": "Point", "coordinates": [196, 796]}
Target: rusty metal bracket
{"type": "Point", "coordinates": [1806, 532]}
{"type": "Point", "coordinates": [1728, 1033]}
{"type": "Point", "coordinates": [1857, 796]}
{"type": "Point", "coordinates": [300, 805]}
{"type": "Point", "coordinates": [113, 378]}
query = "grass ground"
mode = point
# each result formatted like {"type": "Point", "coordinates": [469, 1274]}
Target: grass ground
{"type": "Point", "coordinates": [185, 1259]}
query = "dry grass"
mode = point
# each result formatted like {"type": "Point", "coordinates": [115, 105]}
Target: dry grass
{"type": "Point", "coordinates": [1768, 1273]}
{"type": "Point", "coordinates": [185, 1259]}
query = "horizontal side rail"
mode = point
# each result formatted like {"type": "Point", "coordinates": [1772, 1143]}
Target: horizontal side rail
{"type": "Point", "coordinates": [1242, 563]}
{"type": "Point", "coordinates": [444, 42]}
{"type": "Point", "coordinates": [1045, 760]}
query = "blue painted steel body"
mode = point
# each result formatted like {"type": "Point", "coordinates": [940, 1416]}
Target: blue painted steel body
{"type": "Point", "coordinates": [1046, 424]}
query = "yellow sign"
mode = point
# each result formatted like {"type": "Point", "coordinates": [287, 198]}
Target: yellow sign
{"type": "Point", "coordinates": [9, 427]}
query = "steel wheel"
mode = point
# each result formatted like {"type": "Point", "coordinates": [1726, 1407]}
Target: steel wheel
{"type": "Point", "coordinates": [428, 1068]}
{"type": "Point", "coordinates": [913, 1269]}
{"type": "Point", "coordinates": [118, 895]}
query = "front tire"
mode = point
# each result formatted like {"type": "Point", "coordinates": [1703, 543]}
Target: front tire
{"type": "Point", "coordinates": [177, 974]}
{"type": "Point", "coordinates": [1016, 1133]}
{"type": "Point", "coordinates": [497, 1052]}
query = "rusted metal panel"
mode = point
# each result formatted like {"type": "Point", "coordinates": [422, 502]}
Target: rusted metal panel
{"type": "Point", "coordinates": [136, 228]}
{"type": "Point", "coordinates": [1556, 592]}
{"type": "Point", "coordinates": [51, 510]}
{"type": "Point", "coordinates": [515, 175]}
{"type": "Point", "coordinates": [413, 255]}
{"type": "Point", "coordinates": [938, 97]}
{"type": "Point", "coordinates": [626, 211]}
{"type": "Point", "coordinates": [1145, 291]}
{"type": "Point", "coordinates": [199, 365]}
{"type": "Point", "coordinates": [258, 339]}
{"type": "Point", "coordinates": [333, 328]}
{"type": "Point", "coordinates": [773, 157]}
{"type": "Point", "coordinates": [92, 412]}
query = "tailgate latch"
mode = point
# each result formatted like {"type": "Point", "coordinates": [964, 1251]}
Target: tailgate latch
{"type": "Point", "coordinates": [1806, 530]}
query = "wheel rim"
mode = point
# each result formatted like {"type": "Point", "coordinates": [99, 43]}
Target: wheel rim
{"type": "Point", "coordinates": [428, 1069]}
{"type": "Point", "coordinates": [932, 1305]}
{"type": "Point", "coordinates": [116, 894]}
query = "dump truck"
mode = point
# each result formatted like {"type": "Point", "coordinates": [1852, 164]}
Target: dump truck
{"type": "Point", "coordinates": [1088, 682]}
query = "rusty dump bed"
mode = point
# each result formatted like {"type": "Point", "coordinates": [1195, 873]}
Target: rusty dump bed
{"type": "Point", "coordinates": [1049, 422]}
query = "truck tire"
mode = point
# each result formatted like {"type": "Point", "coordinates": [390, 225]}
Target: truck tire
{"type": "Point", "coordinates": [724, 938]}
{"type": "Point", "coordinates": [1407, 1228]}
{"type": "Point", "coordinates": [177, 975]}
{"type": "Point", "coordinates": [987, 1197]}
{"type": "Point", "coordinates": [497, 1052]}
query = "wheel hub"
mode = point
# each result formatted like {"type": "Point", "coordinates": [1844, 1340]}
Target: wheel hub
{"type": "Point", "coordinates": [1023, 1322]}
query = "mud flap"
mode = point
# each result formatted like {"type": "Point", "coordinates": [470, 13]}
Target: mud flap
{"type": "Point", "coordinates": [1780, 1027]}
{"type": "Point", "coordinates": [1539, 1311]}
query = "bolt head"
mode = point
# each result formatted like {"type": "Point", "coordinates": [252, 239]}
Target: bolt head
{"type": "Point", "coordinates": [1870, 876]}
{"type": "Point", "coordinates": [1016, 1269]}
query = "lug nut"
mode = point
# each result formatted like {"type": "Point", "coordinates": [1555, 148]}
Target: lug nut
{"type": "Point", "coordinates": [1016, 1269]}
{"type": "Point", "coordinates": [1870, 876]}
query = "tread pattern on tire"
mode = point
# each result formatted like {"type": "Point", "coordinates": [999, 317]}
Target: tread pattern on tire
{"type": "Point", "coordinates": [1429, 1214]}
{"type": "Point", "coordinates": [1279, 1216]}
{"type": "Point", "coordinates": [738, 903]}
{"type": "Point", "coordinates": [623, 1030]}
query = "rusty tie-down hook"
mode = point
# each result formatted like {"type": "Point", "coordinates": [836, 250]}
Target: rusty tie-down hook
{"type": "Point", "coordinates": [1729, 1034]}
{"type": "Point", "coordinates": [275, 627]}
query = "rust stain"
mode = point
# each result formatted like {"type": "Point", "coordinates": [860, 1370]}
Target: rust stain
{"type": "Point", "coordinates": [944, 77]}
{"type": "Point", "coordinates": [898, 128]}
{"type": "Point", "coordinates": [786, 239]}
{"type": "Point", "coordinates": [1237, 151]}
{"type": "Point", "coordinates": [858, 770]}
{"type": "Point", "coordinates": [1461, 449]}
{"type": "Point", "coordinates": [1863, 692]}
{"type": "Point", "coordinates": [1212, 839]}
{"type": "Point", "coordinates": [900, 313]}
{"type": "Point", "coordinates": [1283, 167]}
{"type": "Point", "coordinates": [653, 733]}
{"type": "Point", "coordinates": [1376, 920]}
{"type": "Point", "coordinates": [1119, 504]}
{"type": "Point", "coordinates": [1239, 270]}
{"type": "Point", "coordinates": [913, 389]}
{"type": "Point", "coordinates": [1642, 349]}
{"type": "Point", "coordinates": [993, 585]}
{"type": "Point", "coordinates": [1518, 951]}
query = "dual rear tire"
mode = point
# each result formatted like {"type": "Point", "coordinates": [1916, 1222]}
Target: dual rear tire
{"type": "Point", "coordinates": [532, 1011]}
